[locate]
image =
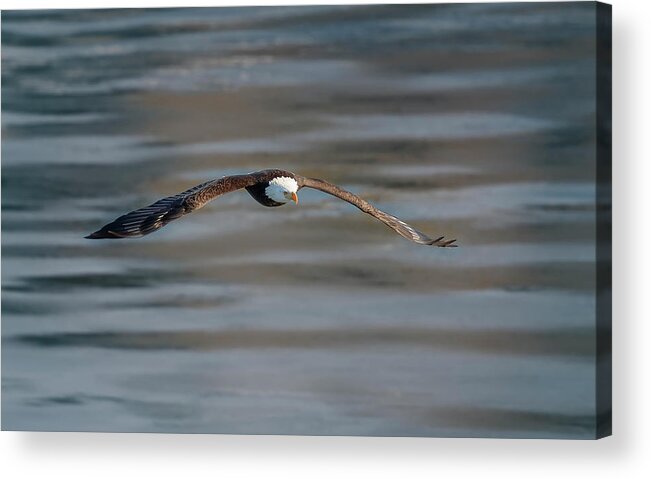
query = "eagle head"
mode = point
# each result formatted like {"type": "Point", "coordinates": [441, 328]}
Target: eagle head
{"type": "Point", "coordinates": [282, 189]}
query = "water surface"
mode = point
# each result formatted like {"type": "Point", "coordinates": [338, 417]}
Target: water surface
{"type": "Point", "coordinates": [470, 121]}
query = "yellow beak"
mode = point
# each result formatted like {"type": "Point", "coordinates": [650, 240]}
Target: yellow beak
{"type": "Point", "coordinates": [294, 198]}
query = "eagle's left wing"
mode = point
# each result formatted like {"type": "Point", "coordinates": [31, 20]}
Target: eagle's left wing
{"type": "Point", "coordinates": [396, 224]}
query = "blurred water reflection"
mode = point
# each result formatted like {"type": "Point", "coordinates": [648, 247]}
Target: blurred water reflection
{"type": "Point", "coordinates": [473, 121]}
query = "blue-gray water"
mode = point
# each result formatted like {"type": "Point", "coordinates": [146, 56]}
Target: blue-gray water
{"type": "Point", "coordinates": [470, 121]}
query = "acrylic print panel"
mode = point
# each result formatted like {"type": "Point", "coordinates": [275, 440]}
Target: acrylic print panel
{"type": "Point", "coordinates": [488, 123]}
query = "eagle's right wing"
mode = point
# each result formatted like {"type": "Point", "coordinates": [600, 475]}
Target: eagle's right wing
{"type": "Point", "coordinates": [151, 218]}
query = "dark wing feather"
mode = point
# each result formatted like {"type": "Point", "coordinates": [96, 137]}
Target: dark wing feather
{"type": "Point", "coordinates": [146, 220]}
{"type": "Point", "coordinates": [396, 224]}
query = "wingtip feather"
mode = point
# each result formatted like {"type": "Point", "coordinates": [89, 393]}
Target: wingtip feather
{"type": "Point", "coordinates": [444, 244]}
{"type": "Point", "coordinates": [104, 234]}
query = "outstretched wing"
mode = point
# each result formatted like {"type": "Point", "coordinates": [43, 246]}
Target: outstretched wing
{"type": "Point", "coordinates": [396, 224]}
{"type": "Point", "coordinates": [146, 220]}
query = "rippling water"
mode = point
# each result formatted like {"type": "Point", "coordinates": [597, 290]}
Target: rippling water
{"type": "Point", "coordinates": [473, 121]}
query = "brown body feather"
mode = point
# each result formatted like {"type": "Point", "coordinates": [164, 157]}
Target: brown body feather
{"type": "Point", "coordinates": [146, 220]}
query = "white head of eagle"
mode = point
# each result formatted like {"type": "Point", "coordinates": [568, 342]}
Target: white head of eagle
{"type": "Point", "coordinates": [282, 189]}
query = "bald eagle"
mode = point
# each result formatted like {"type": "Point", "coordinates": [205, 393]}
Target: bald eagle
{"type": "Point", "coordinates": [268, 187]}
